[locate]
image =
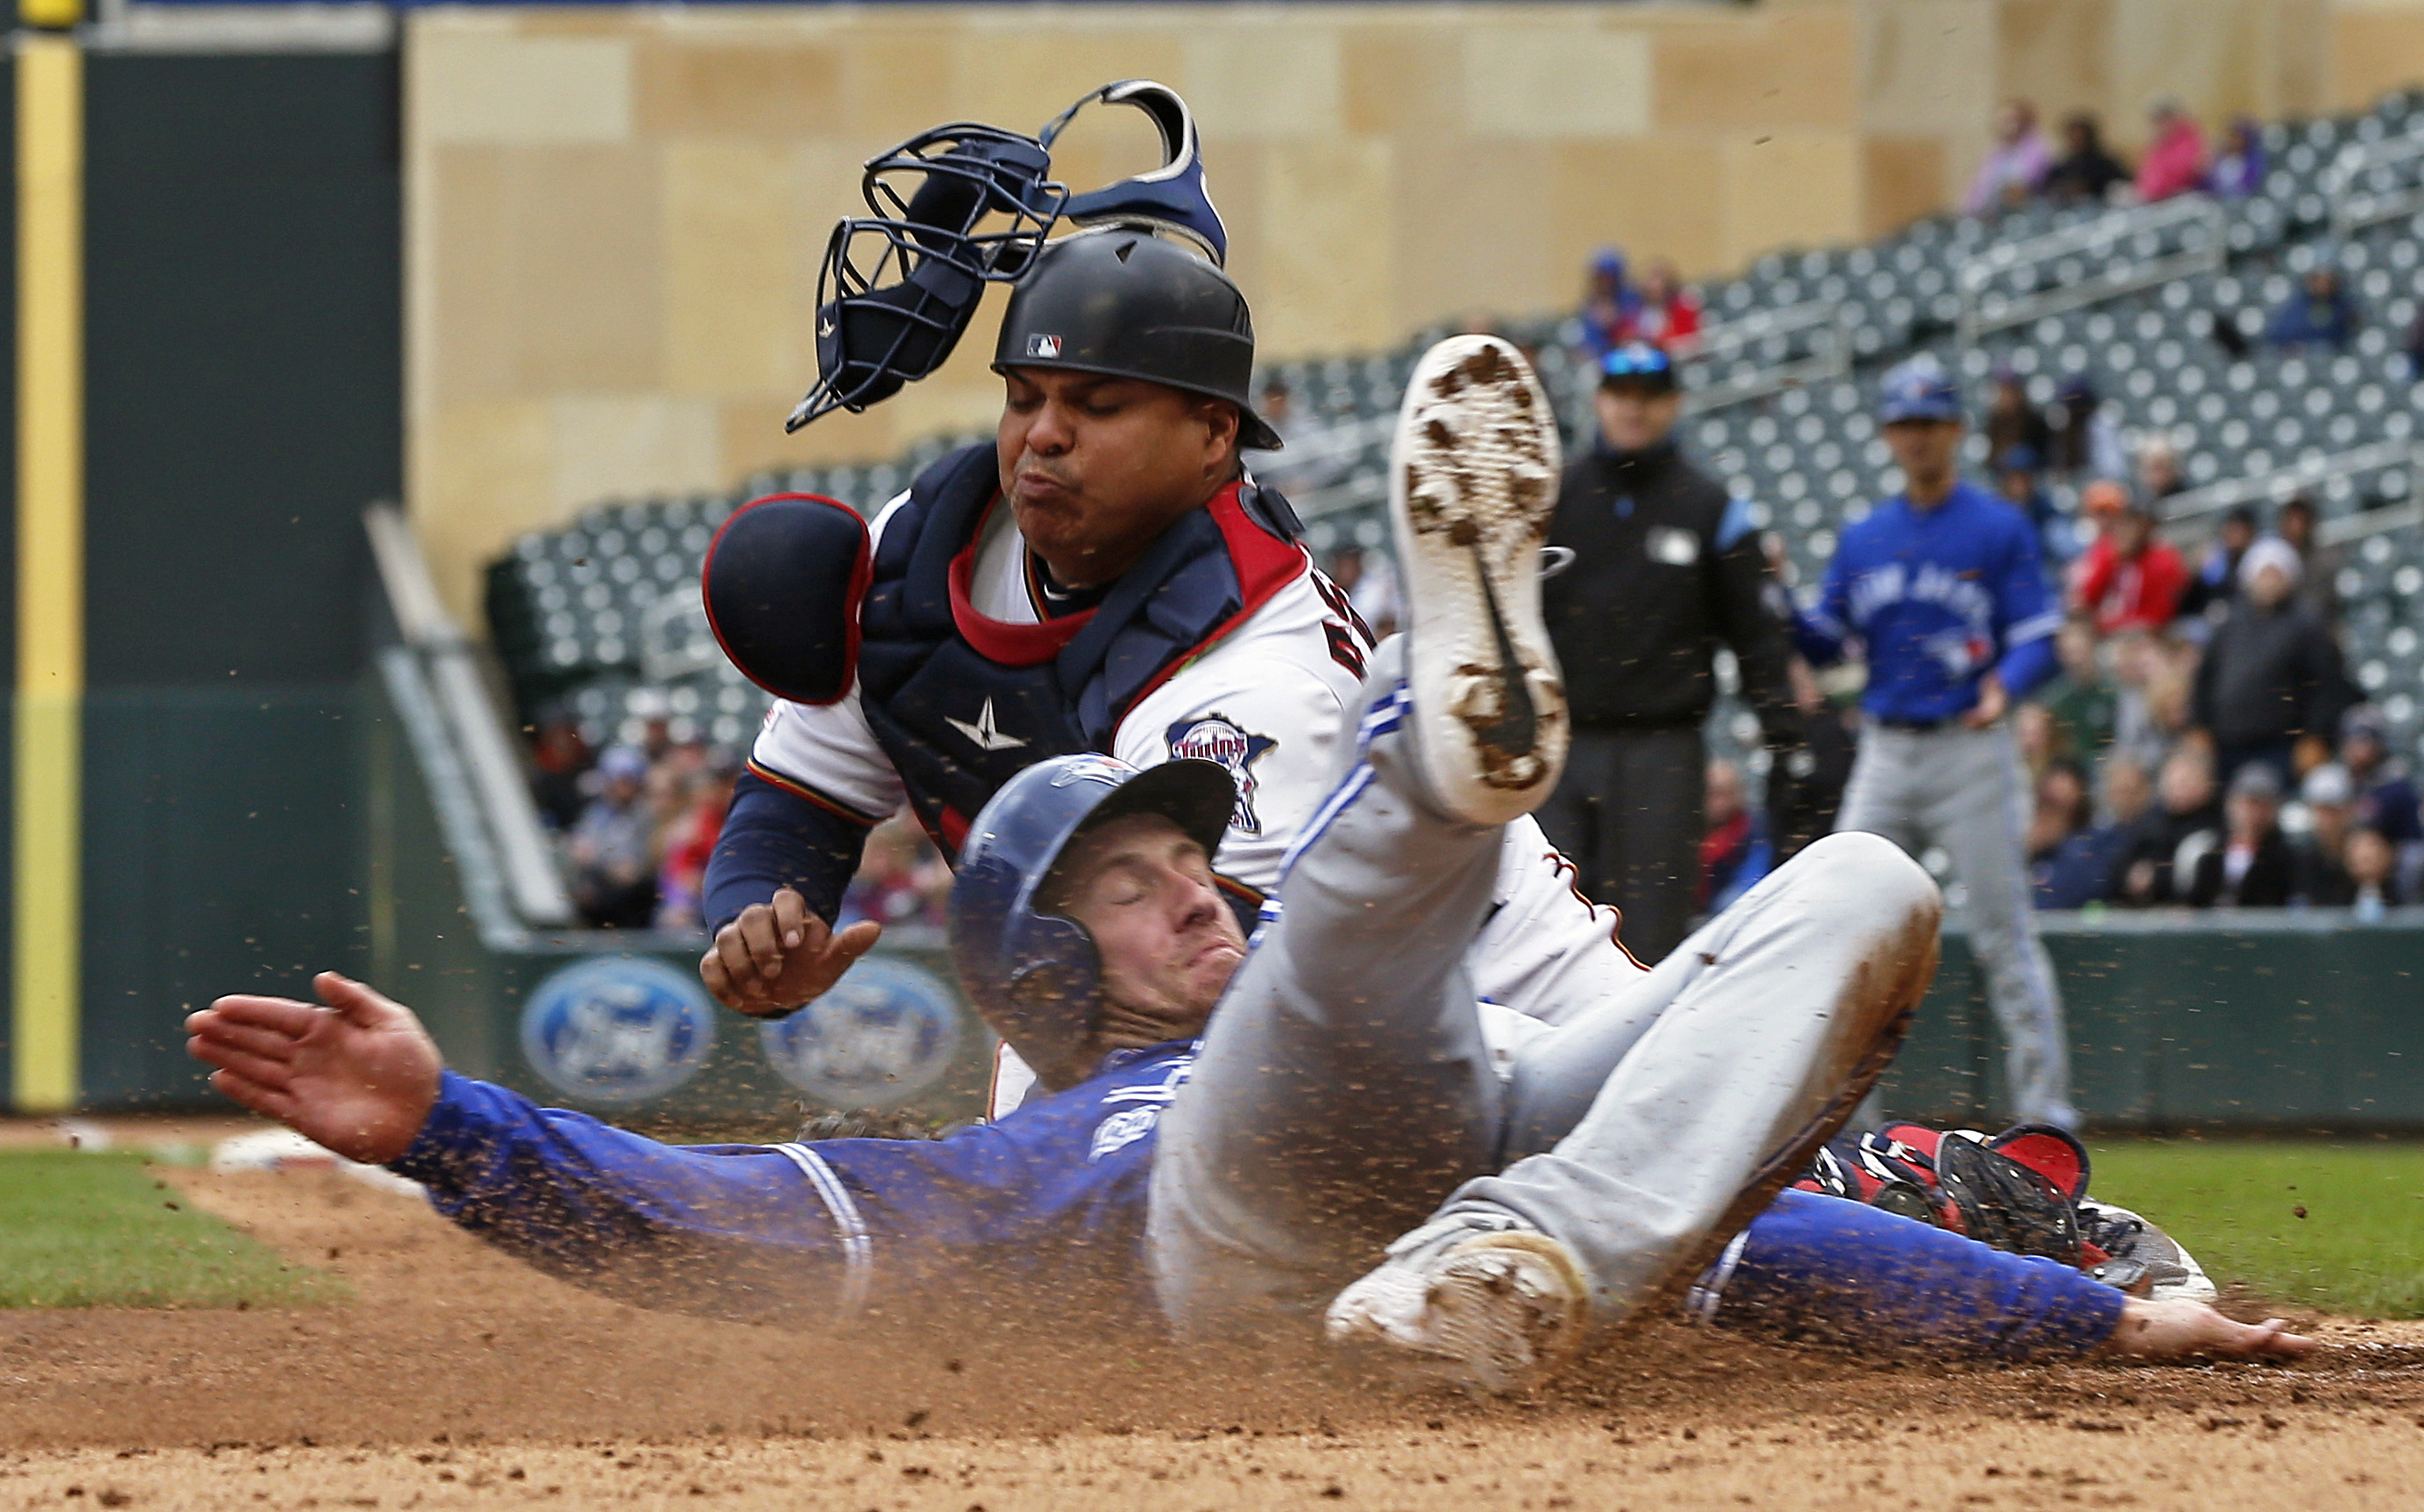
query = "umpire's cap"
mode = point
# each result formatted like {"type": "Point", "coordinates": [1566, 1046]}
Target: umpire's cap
{"type": "Point", "coordinates": [1917, 390]}
{"type": "Point", "coordinates": [1033, 976]}
{"type": "Point", "coordinates": [1133, 306]}
{"type": "Point", "coordinates": [1638, 365]}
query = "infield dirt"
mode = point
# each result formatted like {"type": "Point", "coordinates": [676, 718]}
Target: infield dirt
{"type": "Point", "coordinates": [461, 1379]}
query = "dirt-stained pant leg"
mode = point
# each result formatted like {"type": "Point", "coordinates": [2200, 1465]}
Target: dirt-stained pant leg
{"type": "Point", "coordinates": [1644, 1150]}
{"type": "Point", "coordinates": [1344, 1084]}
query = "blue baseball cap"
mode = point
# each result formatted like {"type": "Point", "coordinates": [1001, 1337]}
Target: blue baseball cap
{"type": "Point", "coordinates": [1638, 362]}
{"type": "Point", "coordinates": [1917, 390]}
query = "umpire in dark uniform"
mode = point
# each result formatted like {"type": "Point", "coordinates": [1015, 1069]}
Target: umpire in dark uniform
{"type": "Point", "coordinates": [1666, 566]}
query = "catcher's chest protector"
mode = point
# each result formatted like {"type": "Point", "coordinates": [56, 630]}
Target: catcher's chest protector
{"type": "Point", "coordinates": [961, 702]}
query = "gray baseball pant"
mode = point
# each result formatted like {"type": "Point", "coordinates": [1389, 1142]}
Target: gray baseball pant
{"type": "Point", "coordinates": [1343, 1090]}
{"type": "Point", "coordinates": [1963, 790]}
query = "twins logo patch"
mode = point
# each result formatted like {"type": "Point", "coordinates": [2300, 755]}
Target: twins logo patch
{"type": "Point", "coordinates": [1215, 738]}
{"type": "Point", "coordinates": [1046, 346]}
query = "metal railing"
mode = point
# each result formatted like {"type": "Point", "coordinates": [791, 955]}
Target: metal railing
{"type": "Point", "coordinates": [480, 747]}
{"type": "Point", "coordinates": [1823, 335]}
{"type": "Point", "coordinates": [2307, 473]}
{"type": "Point", "coordinates": [1983, 310]}
{"type": "Point", "coordinates": [2354, 206]}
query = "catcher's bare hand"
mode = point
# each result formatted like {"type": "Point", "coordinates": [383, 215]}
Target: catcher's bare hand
{"type": "Point", "coordinates": [777, 956]}
{"type": "Point", "coordinates": [357, 1076]}
{"type": "Point", "coordinates": [2177, 1328]}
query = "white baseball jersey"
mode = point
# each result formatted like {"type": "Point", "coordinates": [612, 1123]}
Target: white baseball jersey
{"type": "Point", "coordinates": [1268, 701]}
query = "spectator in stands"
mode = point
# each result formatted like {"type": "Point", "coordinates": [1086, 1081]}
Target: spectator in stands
{"type": "Point", "coordinates": [2086, 172]}
{"type": "Point", "coordinates": [2174, 160]}
{"type": "Point", "coordinates": [2159, 468]}
{"type": "Point", "coordinates": [2012, 421]}
{"type": "Point", "coordinates": [2239, 171]}
{"type": "Point", "coordinates": [691, 841]}
{"type": "Point", "coordinates": [561, 759]}
{"type": "Point", "coordinates": [2216, 581]}
{"type": "Point", "coordinates": [2130, 579]}
{"type": "Point", "coordinates": [2319, 566]}
{"type": "Point", "coordinates": [2322, 878]}
{"type": "Point", "coordinates": [2017, 479]}
{"type": "Point", "coordinates": [613, 847]}
{"type": "Point", "coordinates": [2063, 809]}
{"type": "Point", "coordinates": [2080, 700]}
{"type": "Point", "coordinates": [2034, 733]}
{"type": "Point", "coordinates": [2253, 866]}
{"type": "Point", "coordinates": [2169, 837]}
{"type": "Point", "coordinates": [901, 880]}
{"type": "Point", "coordinates": [2272, 671]}
{"type": "Point", "coordinates": [2372, 866]}
{"type": "Point", "coordinates": [2014, 165]}
{"type": "Point", "coordinates": [2318, 313]}
{"type": "Point", "coordinates": [1370, 582]}
{"type": "Point", "coordinates": [2086, 445]}
{"type": "Point", "coordinates": [1670, 314]}
{"type": "Point", "coordinates": [1610, 304]}
{"type": "Point", "coordinates": [2088, 866]}
{"type": "Point", "coordinates": [2415, 348]}
{"type": "Point", "coordinates": [1734, 849]}
{"type": "Point", "coordinates": [2385, 798]}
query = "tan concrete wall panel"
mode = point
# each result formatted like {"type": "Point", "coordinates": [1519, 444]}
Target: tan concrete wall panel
{"type": "Point", "coordinates": [617, 214]}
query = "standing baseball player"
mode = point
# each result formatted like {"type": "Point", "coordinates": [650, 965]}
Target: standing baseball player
{"type": "Point", "coordinates": [1104, 577]}
{"type": "Point", "coordinates": [1942, 588]}
{"type": "Point", "coordinates": [1343, 1087]}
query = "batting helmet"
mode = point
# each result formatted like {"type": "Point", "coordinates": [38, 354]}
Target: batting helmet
{"type": "Point", "coordinates": [1917, 390]}
{"type": "Point", "coordinates": [1132, 306]}
{"type": "Point", "coordinates": [1033, 975]}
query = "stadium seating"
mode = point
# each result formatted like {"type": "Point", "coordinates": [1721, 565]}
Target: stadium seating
{"type": "Point", "coordinates": [601, 618]}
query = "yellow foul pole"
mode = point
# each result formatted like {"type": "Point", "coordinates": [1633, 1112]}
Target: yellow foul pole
{"type": "Point", "coordinates": [46, 936]}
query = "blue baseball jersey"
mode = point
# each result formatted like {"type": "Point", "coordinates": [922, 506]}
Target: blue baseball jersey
{"type": "Point", "coordinates": [1045, 1208]}
{"type": "Point", "coordinates": [1937, 598]}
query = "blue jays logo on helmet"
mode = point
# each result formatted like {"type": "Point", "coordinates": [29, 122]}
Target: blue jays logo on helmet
{"type": "Point", "coordinates": [1917, 390]}
{"type": "Point", "coordinates": [1033, 975]}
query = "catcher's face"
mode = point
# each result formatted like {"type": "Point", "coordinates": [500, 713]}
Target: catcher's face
{"type": "Point", "coordinates": [1168, 943]}
{"type": "Point", "coordinates": [1095, 468]}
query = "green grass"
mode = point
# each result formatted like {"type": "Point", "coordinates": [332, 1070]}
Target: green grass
{"type": "Point", "coordinates": [2234, 1202]}
{"type": "Point", "coordinates": [102, 1231]}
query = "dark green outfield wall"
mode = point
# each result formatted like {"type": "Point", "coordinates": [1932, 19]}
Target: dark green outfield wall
{"type": "Point", "coordinates": [243, 401]}
{"type": "Point", "coordinates": [2289, 1022]}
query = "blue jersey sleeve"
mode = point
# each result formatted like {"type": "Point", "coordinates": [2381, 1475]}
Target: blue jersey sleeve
{"type": "Point", "coordinates": [736, 1231]}
{"type": "Point", "coordinates": [1852, 1275]}
{"type": "Point", "coordinates": [2027, 614]}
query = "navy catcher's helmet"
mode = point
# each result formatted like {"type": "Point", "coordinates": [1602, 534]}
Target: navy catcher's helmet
{"type": "Point", "coordinates": [1132, 306]}
{"type": "Point", "coordinates": [955, 208]}
{"type": "Point", "coordinates": [1033, 976]}
{"type": "Point", "coordinates": [1917, 390]}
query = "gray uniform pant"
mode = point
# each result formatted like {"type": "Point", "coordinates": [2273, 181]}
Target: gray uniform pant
{"type": "Point", "coordinates": [1629, 813]}
{"type": "Point", "coordinates": [1963, 790]}
{"type": "Point", "coordinates": [1344, 1092]}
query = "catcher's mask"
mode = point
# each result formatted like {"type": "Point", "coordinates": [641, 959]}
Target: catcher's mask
{"type": "Point", "coordinates": [1033, 975]}
{"type": "Point", "coordinates": [955, 208]}
{"type": "Point", "coordinates": [965, 205]}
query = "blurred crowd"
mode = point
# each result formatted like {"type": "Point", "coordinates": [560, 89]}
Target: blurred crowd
{"type": "Point", "coordinates": [2023, 165]}
{"type": "Point", "coordinates": [635, 824]}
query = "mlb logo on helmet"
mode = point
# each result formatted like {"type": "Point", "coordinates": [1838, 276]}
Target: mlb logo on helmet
{"type": "Point", "coordinates": [1109, 770]}
{"type": "Point", "coordinates": [1043, 347]}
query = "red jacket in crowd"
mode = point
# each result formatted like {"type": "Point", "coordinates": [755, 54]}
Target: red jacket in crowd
{"type": "Point", "coordinates": [2141, 592]}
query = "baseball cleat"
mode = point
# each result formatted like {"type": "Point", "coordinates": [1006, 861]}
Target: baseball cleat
{"type": "Point", "coordinates": [1473, 483]}
{"type": "Point", "coordinates": [2145, 1261]}
{"type": "Point", "coordinates": [1493, 1305]}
